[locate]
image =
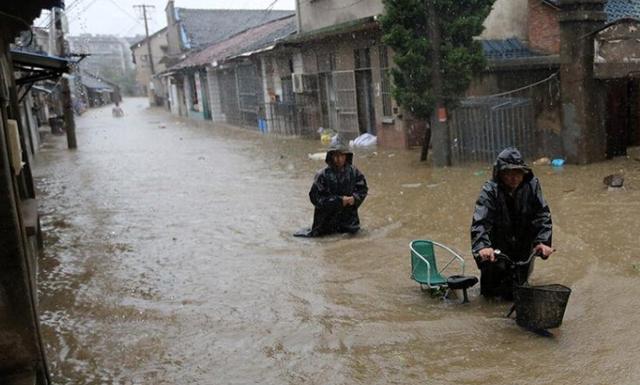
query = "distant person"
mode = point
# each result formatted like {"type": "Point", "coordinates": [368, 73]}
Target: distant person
{"type": "Point", "coordinates": [78, 106]}
{"type": "Point", "coordinates": [337, 192]}
{"type": "Point", "coordinates": [510, 215]}
{"type": "Point", "coordinates": [116, 111]}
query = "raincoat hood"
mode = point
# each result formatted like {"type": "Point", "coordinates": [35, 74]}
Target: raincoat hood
{"type": "Point", "coordinates": [511, 159]}
{"type": "Point", "coordinates": [338, 147]}
{"type": "Point", "coordinates": [513, 222]}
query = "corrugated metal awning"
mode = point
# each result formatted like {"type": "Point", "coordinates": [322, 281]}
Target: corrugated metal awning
{"type": "Point", "coordinates": [37, 66]}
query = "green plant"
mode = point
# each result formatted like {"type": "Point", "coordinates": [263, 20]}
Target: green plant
{"type": "Point", "coordinates": [405, 30]}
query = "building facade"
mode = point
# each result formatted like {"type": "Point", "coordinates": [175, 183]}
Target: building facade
{"type": "Point", "coordinates": [105, 52]}
{"type": "Point", "coordinates": [148, 64]}
{"type": "Point", "coordinates": [22, 352]}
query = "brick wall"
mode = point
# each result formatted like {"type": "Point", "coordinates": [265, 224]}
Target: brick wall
{"type": "Point", "coordinates": [544, 28]}
{"type": "Point", "coordinates": [392, 136]}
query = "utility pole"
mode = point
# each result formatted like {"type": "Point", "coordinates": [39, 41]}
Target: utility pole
{"type": "Point", "coordinates": [67, 107]}
{"type": "Point", "coordinates": [146, 31]}
{"type": "Point", "coordinates": [439, 125]}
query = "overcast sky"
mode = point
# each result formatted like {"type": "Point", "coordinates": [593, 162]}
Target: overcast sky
{"type": "Point", "coordinates": [119, 17]}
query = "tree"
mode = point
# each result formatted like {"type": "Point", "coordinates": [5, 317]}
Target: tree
{"type": "Point", "coordinates": [407, 31]}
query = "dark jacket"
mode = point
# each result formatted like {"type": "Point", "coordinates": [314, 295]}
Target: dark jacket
{"type": "Point", "coordinates": [513, 223]}
{"type": "Point", "coordinates": [328, 188]}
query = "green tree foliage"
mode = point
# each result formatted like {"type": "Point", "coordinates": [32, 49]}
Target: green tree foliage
{"type": "Point", "coordinates": [404, 25]}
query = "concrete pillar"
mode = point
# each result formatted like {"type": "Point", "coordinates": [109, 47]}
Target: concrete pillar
{"type": "Point", "coordinates": [583, 109]}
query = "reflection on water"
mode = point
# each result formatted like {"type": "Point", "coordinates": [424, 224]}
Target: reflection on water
{"type": "Point", "coordinates": [169, 260]}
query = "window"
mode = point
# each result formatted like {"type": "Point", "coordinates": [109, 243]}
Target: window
{"type": "Point", "coordinates": [362, 58]}
{"type": "Point", "coordinates": [385, 81]}
{"type": "Point", "coordinates": [287, 90]}
{"type": "Point", "coordinates": [326, 61]}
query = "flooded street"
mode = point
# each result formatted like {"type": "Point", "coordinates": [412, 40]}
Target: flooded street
{"type": "Point", "coordinates": [168, 260]}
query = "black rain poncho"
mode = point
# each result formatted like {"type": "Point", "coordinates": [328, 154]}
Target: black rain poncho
{"type": "Point", "coordinates": [328, 188]}
{"type": "Point", "coordinates": [513, 223]}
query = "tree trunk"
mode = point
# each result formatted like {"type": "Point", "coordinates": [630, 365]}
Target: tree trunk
{"type": "Point", "coordinates": [427, 141]}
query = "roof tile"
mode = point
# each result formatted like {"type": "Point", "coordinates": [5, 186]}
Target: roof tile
{"type": "Point", "coordinates": [206, 26]}
{"type": "Point", "coordinates": [249, 40]}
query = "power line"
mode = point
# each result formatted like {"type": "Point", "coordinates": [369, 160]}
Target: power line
{"type": "Point", "coordinates": [15, 18]}
{"type": "Point", "coordinates": [267, 10]}
{"type": "Point", "coordinates": [124, 11]}
{"type": "Point", "coordinates": [79, 14]}
{"type": "Point", "coordinates": [68, 9]}
{"type": "Point", "coordinates": [146, 31]}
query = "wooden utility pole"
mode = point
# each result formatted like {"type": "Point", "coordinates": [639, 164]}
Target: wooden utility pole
{"type": "Point", "coordinates": [67, 107]}
{"type": "Point", "coordinates": [439, 126]}
{"type": "Point", "coordinates": [146, 31]}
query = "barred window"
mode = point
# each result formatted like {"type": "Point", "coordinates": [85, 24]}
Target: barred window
{"type": "Point", "coordinates": [385, 82]}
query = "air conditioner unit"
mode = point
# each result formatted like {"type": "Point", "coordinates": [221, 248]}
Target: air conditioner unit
{"type": "Point", "coordinates": [298, 83]}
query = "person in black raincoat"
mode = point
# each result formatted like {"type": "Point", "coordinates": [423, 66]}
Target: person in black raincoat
{"type": "Point", "coordinates": [510, 215]}
{"type": "Point", "coordinates": [337, 192]}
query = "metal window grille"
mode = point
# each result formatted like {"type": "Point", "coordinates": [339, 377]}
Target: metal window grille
{"type": "Point", "coordinates": [385, 82]}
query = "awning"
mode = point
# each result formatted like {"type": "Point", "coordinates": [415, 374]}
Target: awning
{"type": "Point", "coordinates": [94, 84]}
{"type": "Point", "coordinates": [38, 66]}
{"type": "Point", "coordinates": [338, 29]}
{"type": "Point", "coordinates": [41, 89]}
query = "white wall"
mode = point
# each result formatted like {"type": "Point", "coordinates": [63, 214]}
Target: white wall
{"type": "Point", "coordinates": [317, 14]}
{"type": "Point", "coordinates": [508, 18]}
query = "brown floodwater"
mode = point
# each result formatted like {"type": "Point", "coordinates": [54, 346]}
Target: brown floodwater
{"type": "Point", "coordinates": [169, 260]}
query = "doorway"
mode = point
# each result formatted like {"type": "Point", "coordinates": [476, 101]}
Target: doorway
{"type": "Point", "coordinates": [623, 110]}
{"type": "Point", "coordinates": [364, 91]}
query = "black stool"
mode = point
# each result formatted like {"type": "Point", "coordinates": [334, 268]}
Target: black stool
{"type": "Point", "coordinates": [462, 282]}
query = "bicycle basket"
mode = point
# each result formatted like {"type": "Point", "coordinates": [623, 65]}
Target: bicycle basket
{"type": "Point", "coordinates": [540, 307]}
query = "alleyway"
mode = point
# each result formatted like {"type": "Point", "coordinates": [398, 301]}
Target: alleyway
{"type": "Point", "coordinates": [168, 260]}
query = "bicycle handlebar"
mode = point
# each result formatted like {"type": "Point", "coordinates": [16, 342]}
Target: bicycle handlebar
{"type": "Point", "coordinates": [500, 255]}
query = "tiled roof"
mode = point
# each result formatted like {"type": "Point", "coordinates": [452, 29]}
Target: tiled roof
{"type": "Point", "coordinates": [615, 9]}
{"type": "Point", "coordinates": [250, 40]}
{"type": "Point", "coordinates": [134, 43]}
{"type": "Point", "coordinates": [618, 9]}
{"type": "Point", "coordinates": [206, 26]}
{"type": "Point", "coordinates": [94, 82]}
{"type": "Point", "coordinates": [506, 49]}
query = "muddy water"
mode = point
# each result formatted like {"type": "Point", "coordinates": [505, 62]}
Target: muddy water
{"type": "Point", "coordinates": [169, 261]}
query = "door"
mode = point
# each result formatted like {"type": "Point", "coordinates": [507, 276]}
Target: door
{"type": "Point", "coordinates": [229, 96]}
{"type": "Point", "coordinates": [366, 112]}
{"type": "Point", "coordinates": [346, 107]}
{"type": "Point", "coordinates": [328, 101]}
{"type": "Point", "coordinates": [620, 116]}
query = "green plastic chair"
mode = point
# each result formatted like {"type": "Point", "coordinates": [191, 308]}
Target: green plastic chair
{"type": "Point", "coordinates": [424, 268]}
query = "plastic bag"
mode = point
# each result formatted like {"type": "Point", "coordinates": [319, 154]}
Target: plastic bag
{"type": "Point", "coordinates": [364, 140]}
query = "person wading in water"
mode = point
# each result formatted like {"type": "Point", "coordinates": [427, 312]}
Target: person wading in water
{"type": "Point", "coordinates": [510, 215]}
{"type": "Point", "coordinates": [337, 192]}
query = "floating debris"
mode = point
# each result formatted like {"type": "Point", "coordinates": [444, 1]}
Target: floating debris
{"type": "Point", "coordinates": [317, 156]}
{"type": "Point", "coordinates": [544, 161]}
{"type": "Point", "coordinates": [614, 180]}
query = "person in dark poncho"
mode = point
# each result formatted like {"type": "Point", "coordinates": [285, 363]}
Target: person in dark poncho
{"type": "Point", "coordinates": [337, 192]}
{"type": "Point", "coordinates": [510, 215]}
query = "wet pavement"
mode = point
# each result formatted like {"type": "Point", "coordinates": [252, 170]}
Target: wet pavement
{"type": "Point", "coordinates": [169, 260]}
